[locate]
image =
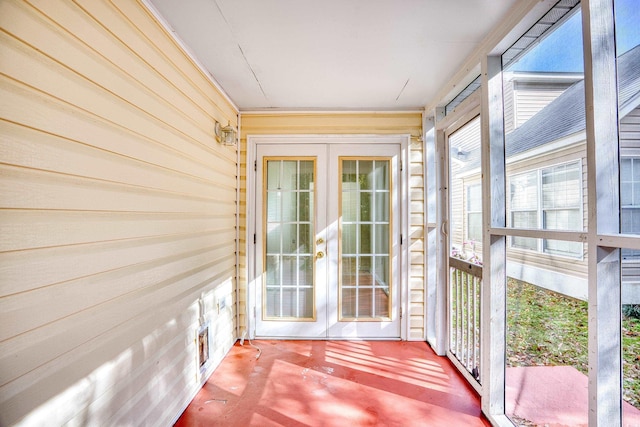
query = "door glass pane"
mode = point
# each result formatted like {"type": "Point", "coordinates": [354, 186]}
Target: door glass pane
{"type": "Point", "coordinates": [382, 239]}
{"type": "Point", "coordinates": [306, 175]}
{"type": "Point", "coordinates": [305, 239]}
{"type": "Point", "coordinates": [306, 207]}
{"type": "Point", "coordinates": [382, 175]}
{"type": "Point", "coordinates": [274, 244]}
{"type": "Point", "coordinates": [289, 206]}
{"type": "Point", "coordinates": [348, 172]}
{"type": "Point", "coordinates": [289, 175]}
{"type": "Point", "coordinates": [366, 235]}
{"type": "Point", "coordinates": [289, 238]}
{"type": "Point", "coordinates": [349, 239]}
{"type": "Point", "coordinates": [365, 206]}
{"type": "Point", "coordinates": [289, 262]}
{"type": "Point", "coordinates": [365, 174]}
{"type": "Point", "coordinates": [364, 245]}
{"type": "Point", "coordinates": [382, 204]}
{"type": "Point", "coordinates": [350, 204]}
{"type": "Point", "coordinates": [274, 209]}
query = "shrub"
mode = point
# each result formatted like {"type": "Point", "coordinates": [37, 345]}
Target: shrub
{"type": "Point", "coordinates": [631, 310]}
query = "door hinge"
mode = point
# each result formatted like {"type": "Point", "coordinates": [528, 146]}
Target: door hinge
{"type": "Point", "coordinates": [401, 166]}
{"type": "Point", "coordinates": [401, 312]}
{"type": "Point", "coordinates": [255, 238]}
{"type": "Point", "coordinates": [255, 166]}
{"type": "Point", "coordinates": [401, 240]}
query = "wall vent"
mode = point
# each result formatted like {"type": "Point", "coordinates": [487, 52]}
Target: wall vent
{"type": "Point", "coordinates": [203, 348]}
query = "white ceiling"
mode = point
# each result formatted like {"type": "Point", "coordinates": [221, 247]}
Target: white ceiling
{"type": "Point", "coordinates": [332, 54]}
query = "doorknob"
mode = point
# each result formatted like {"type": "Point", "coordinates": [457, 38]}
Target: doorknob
{"type": "Point", "coordinates": [320, 255]}
{"type": "Point", "coordinates": [319, 241]}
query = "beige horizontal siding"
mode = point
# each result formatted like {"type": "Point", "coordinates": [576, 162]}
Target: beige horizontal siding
{"type": "Point", "coordinates": [529, 98]}
{"type": "Point", "coordinates": [509, 114]}
{"type": "Point", "coordinates": [417, 248]}
{"type": "Point", "coordinates": [630, 146]}
{"type": "Point", "coordinates": [331, 123]}
{"type": "Point", "coordinates": [456, 213]}
{"type": "Point", "coordinates": [630, 133]}
{"type": "Point", "coordinates": [351, 123]}
{"type": "Point", "coordinates": [117, 216]}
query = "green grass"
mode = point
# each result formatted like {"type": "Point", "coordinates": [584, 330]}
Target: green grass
{"type": "Point", "coordinates": [631, 360]}
{"type": "Point", "coordinates": [546, 328]}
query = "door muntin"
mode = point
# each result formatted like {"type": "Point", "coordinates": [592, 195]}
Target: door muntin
{"type": "Point", "coordinates": [365, 225]}
{"type": "Point", "coordinates": [289, 285]}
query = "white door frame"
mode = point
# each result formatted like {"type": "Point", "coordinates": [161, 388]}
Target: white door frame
{"type": "Point", "coordinates": [254, 140]}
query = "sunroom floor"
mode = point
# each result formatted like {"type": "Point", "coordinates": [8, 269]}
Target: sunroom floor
{"type": "Point", "coordinates": [334, 383]}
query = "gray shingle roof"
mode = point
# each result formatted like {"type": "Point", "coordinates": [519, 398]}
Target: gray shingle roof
{"type": "Point", "coordinates": [565, 115]}
{"type": "Point", "coordinates": [629, 77]}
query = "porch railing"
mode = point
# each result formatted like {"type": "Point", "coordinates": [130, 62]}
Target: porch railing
{"type": "Point", "coordinates": [465, 287]}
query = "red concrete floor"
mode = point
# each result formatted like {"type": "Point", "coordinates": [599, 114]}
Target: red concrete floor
{"type": "Point", "coordinates": [334, 383]}
{"type": "Point", "coordinates": [554, 396]}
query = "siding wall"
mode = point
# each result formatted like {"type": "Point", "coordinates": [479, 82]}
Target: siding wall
{"type": "Point", "coordinates": [522, 100]}
{"type": "Point", "coordinates": [630, 133]}
{"type": "Point", "coordinates": [630, 146]}
{"type": "Point", "coordinates": [466, 139]}
{"type": "Point", "coordinates": [529, 98]}
{"type": "Point", "coordinates": [117, 216]}
{"type": "Point", "coordinates": [352, 123]}
{"type": "Point", "coordinates": [509, 114]}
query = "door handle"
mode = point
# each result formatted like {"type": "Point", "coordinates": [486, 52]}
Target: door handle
{"type": "Point", "coordinates": [319, 241]}
{"type": "Point", "coordinates": [320, 255]}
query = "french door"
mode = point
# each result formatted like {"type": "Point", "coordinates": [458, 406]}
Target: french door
{"type": "Point", "coordinates": [327, 241]}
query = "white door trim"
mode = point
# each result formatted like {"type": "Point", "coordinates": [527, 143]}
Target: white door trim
{"type": "Point", "coordinates": [254, 140]}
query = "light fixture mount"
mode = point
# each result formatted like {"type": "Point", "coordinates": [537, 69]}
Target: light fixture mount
{"type": "Point", "coordinates": [217, 131]}
{"type": "Point", "coordinates": [228, 135]}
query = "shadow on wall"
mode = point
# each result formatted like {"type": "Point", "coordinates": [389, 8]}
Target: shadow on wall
{"type": "Point", "coordinates": [125, 376]}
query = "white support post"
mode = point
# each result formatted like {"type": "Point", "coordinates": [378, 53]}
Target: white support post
{"type": "Point", "coordinates": [442, 244]}
{"type": "Point", "coordinates": [601, 101]}
{"type": "Point", "coordinates": [431, 230]}
{"type": "Point", "coordinates": [494, 246]}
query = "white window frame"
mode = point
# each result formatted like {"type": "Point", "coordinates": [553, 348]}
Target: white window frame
{"type": "Point", "coordinates": [634, 160]}
{"type": "Point", "coordinates": [478, 187]}
{"type": "Point", "coordinates": [540, 210]}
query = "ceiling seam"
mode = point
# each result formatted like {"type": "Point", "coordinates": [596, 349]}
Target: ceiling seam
{"type": "Point", "coordinates": [403, 87]}
{"type": "Point", "coordinates": [254, 74]}
{"type": "Point", "coordinates": [242, 51]}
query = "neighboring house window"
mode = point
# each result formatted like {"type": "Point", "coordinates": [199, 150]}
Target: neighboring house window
{"type": "Point", "coordinates": [474, 212]}
{"type": "Point", "coordinates": [549, 199]}
{"type": "Point", "coordinates": [561, 206]}
{"type": "Point", "coordinates": [630, 201]}
{"type": "Point", "coordinates": [524, 207]}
